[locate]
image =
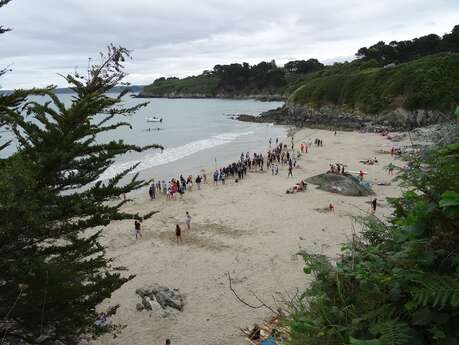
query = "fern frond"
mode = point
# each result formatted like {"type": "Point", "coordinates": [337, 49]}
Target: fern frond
{"type": "Point", "coordinates": [393, 332]}
{"type": "Point", "coordinates": [437, 291]}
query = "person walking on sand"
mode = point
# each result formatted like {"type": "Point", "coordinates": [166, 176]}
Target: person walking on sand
{"type": "Point", "coordinates": [269, 142]}
{"type": "Point", "coordinates": [188, 220]}
{"type": "Point", "coordinates": [178, 234]}
{"type": "Point", "coordinates": [374, 203]}
{"type": "Point", "coordinates": [137, 229]}
{"type": "Point", "coordinates": [290, 168]}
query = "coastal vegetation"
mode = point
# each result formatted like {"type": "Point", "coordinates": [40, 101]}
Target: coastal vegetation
{"type": "Point", "coordinates": [397, 281]}
{"type": "Point", "coordinates": [412, 74]}
{"type": "Point", "coordinates": [54, 208]}
{"type": "Point", "coordinates": [429, 82]}
{"type": "Point", "coordinates": [264, 78]}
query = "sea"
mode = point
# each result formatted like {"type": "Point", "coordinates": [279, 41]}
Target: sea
{"type": "Point", "coordinates": [197, 135]}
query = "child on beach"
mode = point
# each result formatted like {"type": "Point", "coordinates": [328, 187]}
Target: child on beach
{"type": "Point", "coordinates": [188, 221]}
{"type": "Point", "coordinates": [137, 229]}
{"type": "Point", "coordinates": [331, 208]}
{"type": "Point", "coordinates": [178, 234]}
{"type": "Point", "coordinates": [373, 205]}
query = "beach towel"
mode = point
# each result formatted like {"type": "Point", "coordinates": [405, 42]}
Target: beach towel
{"type": "Point", "coordinates": [268, 341]}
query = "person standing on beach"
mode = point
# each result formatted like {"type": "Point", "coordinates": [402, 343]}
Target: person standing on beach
{"type": "Point", "coordinates": [198, 181]}
{"type": "Point", "coordinates": [391, 169]}
{"type": "Point", "coordinates": [216, 177]}
{"type": "Point", "coordinates": [222, 177]}
{"type": "Point", "coordinates": [188, 220]}
{"type": "Point", "coordinates": [152, 191]}
{"type": "Point", "coordinates": [137, 229]}
{"type": "Point", "coordinates": [269, 142]}
{"type": "Point", "coordinates": [290, 168]}
{"type": "Point", "coordinates": [373, 205]}
{"type": "Point", "coordinates": [178, 234]}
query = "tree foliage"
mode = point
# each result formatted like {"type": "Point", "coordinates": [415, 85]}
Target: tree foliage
{"type": "Point", "coordinates": [426, 83]}
{"type": "Point", "coordinates": [398, 281]}
{"type": "Point", "coordinates": [404, 51]}
{"type": "Point", "coordinates": [236, 79]}
{"type": "Point", "coordinates": [2, 28]}
{"type": "Point", "coordinates": [54, 208]}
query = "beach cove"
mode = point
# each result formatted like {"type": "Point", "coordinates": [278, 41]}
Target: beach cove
{"type": "Point", "coordinates": [251, 229]}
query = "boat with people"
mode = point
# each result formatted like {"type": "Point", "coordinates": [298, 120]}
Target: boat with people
{"type": "Point", "coordinates": [154, 119]}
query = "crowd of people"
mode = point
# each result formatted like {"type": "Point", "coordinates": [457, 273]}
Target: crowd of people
{"type": "Point", "coordinates": [277, 155]}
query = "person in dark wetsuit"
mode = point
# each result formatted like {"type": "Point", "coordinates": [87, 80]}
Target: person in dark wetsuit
{"type": "Point", "coordinates": [178, 233]}
{"type": "Point", "coordinates": [374, 204]}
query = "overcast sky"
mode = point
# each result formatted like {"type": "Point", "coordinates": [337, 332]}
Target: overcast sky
{"type": "Point", "coordinates": [180, 38]}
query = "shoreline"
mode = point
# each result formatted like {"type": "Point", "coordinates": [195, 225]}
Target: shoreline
{"type": "Point", "coordinates": [261, 98]}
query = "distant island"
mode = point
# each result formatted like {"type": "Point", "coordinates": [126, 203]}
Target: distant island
{"type": "Point", "coordinates": [402, 84]}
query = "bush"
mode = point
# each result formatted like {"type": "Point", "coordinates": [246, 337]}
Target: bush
{"type": "Point", "coordinates": [397, 282]}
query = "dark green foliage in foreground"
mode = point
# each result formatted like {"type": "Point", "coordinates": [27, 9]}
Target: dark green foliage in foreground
{"type": "Point", "coordinates": [396, 283]}
{"type": "Point", "coordinates": [54, 270]}
{"type": "Point", "coordinates": [427, 83]}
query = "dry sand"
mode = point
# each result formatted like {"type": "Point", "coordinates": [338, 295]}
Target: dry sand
{"type": "Point", "coordinates": [250, 229]}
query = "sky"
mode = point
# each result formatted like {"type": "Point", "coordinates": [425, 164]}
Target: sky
{"type": "Point", "coordinates": [181, 38]}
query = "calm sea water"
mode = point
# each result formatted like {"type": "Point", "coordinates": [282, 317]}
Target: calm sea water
{"type": "Point", "coordinates": [196, 134]}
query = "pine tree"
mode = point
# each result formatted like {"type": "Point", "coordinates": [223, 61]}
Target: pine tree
{"type": "Point", "coordinates": [54, 207]}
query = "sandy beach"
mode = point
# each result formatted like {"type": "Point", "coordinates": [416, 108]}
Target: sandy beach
{"type": "Point", "coordinates": [250, 229]}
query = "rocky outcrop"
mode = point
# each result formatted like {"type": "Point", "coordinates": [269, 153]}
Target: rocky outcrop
{"type": "Point", "coordinates": [339, 117]}
{"type": "Point", "coordinates": [342, 184]}
{"type": "Point", "coordinates": [160, 299]}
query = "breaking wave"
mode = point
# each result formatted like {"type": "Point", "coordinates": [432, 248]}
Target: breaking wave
{"type": "Point", "coordinates": [173, 154]}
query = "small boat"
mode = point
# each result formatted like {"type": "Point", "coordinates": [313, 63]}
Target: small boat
{"type": "Point", "coordinates": [154, 119]}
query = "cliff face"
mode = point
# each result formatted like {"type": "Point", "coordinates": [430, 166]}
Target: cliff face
{"type": "Point", "coordinates": [339, 117]}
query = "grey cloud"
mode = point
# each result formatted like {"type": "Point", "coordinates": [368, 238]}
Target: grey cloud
{"type": "Point", "coordinates": [185, 37]}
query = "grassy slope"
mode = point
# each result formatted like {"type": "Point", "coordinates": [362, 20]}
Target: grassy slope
{"type": "Point", "coordinates": [431, 82]}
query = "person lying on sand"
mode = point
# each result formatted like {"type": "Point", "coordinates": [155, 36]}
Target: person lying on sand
{"type": "Point", "coordinates": [299, 187]}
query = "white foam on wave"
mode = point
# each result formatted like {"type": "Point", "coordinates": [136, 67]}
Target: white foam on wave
{"type": "Point", "coordinates": [173, 154]}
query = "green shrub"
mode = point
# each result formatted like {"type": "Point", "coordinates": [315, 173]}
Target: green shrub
{"type": "Point", "coordinates": [397, 282]}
